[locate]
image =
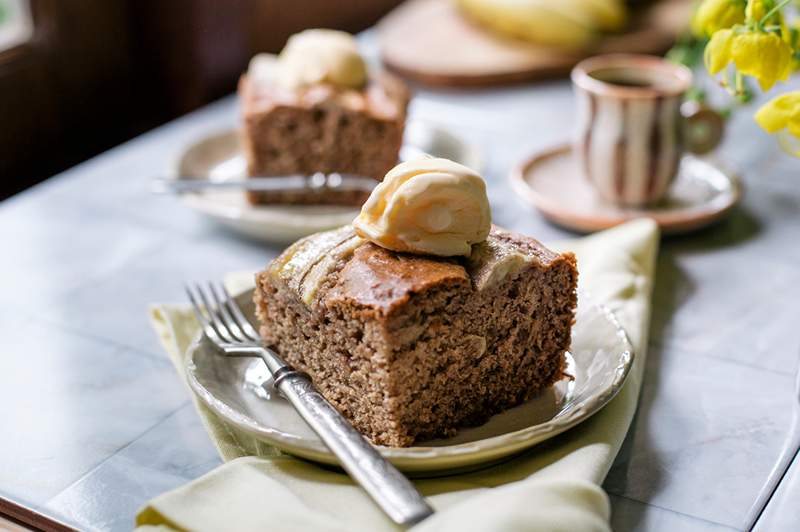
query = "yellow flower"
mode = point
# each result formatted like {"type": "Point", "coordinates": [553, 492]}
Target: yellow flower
{"type": "Point", "coordinates": [756, 9]}
{"type": "Point", "coordinates": [765, 56]}
{"type": "Point", "coordinates": [715, 15]}
{"type": "Point", "coordinates": [717, 54]}
{"type": "Point", "coordinates": [762, 55]}
{"type": "Point", "coordinates": [781, 115]}
{"type": "Point", "coordinates": [782, 112]}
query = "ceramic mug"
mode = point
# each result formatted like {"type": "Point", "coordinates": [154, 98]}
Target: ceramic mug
{"type": "Point", "coordinates": [634, 126]}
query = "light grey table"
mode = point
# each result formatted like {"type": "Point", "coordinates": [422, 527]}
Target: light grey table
{"type": "Point", "coordinates": [95, 422]}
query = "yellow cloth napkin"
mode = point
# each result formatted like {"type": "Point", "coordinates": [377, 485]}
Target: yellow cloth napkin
{"type": "Point", "coordinates": [554, 486]}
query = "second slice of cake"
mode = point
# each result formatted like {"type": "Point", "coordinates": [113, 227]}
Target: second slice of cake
{"type": "Point", "coordinates": [317, 108]}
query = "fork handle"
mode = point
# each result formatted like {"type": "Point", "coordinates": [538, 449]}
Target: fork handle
{"type": "Point", "coordinates": [389, 488]}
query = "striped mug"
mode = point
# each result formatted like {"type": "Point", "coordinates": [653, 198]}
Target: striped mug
{"type": "Point", "coordinates": [634, 126]}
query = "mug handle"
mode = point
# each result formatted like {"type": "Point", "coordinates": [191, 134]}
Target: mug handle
{"type": "Point", "coordinates": [702, 127]}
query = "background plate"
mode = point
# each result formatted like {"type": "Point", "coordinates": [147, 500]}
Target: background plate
{"type": "Point", "coordinates": [219, 157]}
{"type": "Point", "coordinates": [449, 50]}
{"type": "Point", "coordinates": [239, 391]}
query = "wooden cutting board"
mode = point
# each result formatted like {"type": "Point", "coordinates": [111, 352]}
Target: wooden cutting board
{"type": "Point", "coordinates": [429, 41]}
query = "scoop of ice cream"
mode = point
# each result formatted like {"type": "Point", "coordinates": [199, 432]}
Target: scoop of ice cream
{"type": "Point", "coordinates": [427, 206]}
{"type": "Point", "coordinates": [263, 68]}
{"type": "Point", "coordinates": [312, 57]}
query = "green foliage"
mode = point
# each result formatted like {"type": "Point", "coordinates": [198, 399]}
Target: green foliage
{"type": "Point", "coordinates": [688, 50]}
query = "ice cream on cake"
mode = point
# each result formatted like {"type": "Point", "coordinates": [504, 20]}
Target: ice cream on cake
{"type": "Point", "coordinates": [314, 57]}
{"type": "Point", "coordinates": [427, 206]}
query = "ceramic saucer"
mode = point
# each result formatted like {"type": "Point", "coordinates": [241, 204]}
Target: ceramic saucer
{"type": "Point", "coordinates": [551, 180]}
{"type": "Point", "coordinates": [219, 157]}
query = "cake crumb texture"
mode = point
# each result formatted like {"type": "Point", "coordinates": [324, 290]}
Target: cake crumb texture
{"type": "Point", "coordinates": [322, 130]}
{"type": "Point", "coordinates": [412, 347]}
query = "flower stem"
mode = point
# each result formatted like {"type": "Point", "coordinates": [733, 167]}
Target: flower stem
{"type": "Point", "coordinates": [778, 7]}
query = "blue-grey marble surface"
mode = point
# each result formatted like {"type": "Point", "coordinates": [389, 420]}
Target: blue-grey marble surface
{"type": "Point", "coordinates": [95, 421]}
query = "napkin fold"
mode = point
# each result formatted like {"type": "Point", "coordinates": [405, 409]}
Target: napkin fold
{"type": "Point", "coordinates": [554, 486]}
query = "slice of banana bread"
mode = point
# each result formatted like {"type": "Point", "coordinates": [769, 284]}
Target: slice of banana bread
{"type": "Point", "coordinates": [321, 129]}
{"type": "Point", "coordinates": [412, 347]}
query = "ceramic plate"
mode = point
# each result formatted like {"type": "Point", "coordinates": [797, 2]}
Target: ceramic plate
{"type": "Point", "coordinates": [219, 157]}
{"type": "Point", "coordinates": [239, 391]}
{"type": "Point", "coordinates": [551, 180]}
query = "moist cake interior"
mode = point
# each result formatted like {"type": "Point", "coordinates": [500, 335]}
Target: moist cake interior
{"type": "Point", "coordinates": [321, 129]}
{"type": "Point", "coordinates": [411, 347]}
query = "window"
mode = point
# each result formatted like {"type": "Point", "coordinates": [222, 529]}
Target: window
{"type": "Point", "coordinates": [16, 26]}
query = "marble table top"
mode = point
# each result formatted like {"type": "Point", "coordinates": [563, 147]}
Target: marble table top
{"type": "Point", "coordinates": [95, 421]}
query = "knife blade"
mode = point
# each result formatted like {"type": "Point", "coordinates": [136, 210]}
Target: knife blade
{"type": "Point", "coordinates": [288, 183]}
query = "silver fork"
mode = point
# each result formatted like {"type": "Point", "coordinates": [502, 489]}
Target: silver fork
{"type": "Point", "coordinates": [225, 325]}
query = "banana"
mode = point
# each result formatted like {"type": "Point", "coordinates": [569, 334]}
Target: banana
{"type": "Point", "coordinates": [563, 23]}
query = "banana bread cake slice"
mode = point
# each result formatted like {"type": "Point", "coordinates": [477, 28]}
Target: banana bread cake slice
{"type": "Point", "coordinates": [316, 108]}
{"type": "Point", "coordinates": [411, 347]}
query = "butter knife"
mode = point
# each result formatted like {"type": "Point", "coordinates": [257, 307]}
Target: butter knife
{"type": "Point", "coordinates": [287, 183]}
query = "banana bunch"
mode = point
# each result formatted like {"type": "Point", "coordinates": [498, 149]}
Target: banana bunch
{"type": "Point", "coordinates": [571, 24]}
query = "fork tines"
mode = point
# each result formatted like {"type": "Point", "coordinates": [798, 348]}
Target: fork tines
{"type": "Point", "coordinates": [222, 320]}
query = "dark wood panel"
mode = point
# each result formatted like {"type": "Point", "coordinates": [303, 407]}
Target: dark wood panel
{"type": "Point", "coordinates": [68, 93]}
{"type": "Point", "coordinates": [99, 72]}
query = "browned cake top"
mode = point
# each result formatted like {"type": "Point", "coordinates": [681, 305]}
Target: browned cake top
{"type": "Point", "coordinates": [381, 278]}
{"type": "Point", "coordinates": [384, 96]}
{"type": "Point", "coordinates": [371, 276]}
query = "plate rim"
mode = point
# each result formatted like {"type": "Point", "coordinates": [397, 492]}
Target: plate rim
{"type": "Point", "coordinates": [287, 223]}
{"type": "Point", "coordinates": [428, 458]}
{"type": "Point", "coordinates": [670, 222]}
{"type": "Point", "coordinates": [263, 214]}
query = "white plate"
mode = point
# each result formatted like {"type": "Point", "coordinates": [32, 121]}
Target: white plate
{"type": "Point", "coordinates": [219, 157]}
{"type": "Point", "coordinates": [239, 391]}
